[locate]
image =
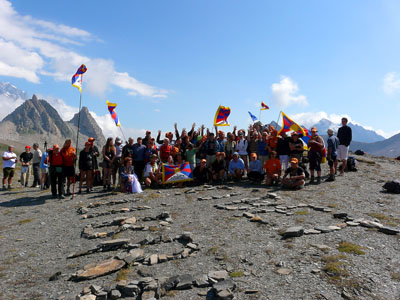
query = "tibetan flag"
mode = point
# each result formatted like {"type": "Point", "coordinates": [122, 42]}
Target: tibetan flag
{"type": "Point", "coordinates": [289, 124]}
{"type": "Point", "coordinates": [111, 109]}
{"type": "Point", "coordinates": [173, 173]}
{"type": "Point", "coordinates": [264, 106]}
{"type": "Point", "coordinates": [253, 117]}
{"type": "Point", "coordinates": [306, 137]}
{"type": "Point", "coordinates": [221, 116]}
{"type": "Point", "coordinates": [77, 78]}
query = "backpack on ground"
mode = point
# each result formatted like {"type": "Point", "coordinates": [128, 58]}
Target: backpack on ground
{"type": "Point", "coordinates": [351, 164]}
{"type": "Point", "coordinates": [97, 181]}
{"type": "Point", "coordinates": [392, 187]}
{"type": "Point", "coordinates": [359, 152]}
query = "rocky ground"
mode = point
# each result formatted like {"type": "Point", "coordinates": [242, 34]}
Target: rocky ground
{"type": "Point", "coordinates": [335, 240]}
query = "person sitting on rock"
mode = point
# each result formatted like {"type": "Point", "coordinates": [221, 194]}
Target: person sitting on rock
{"type": "Point", "coordinates": [236, 167]}
{"type": "Point", "coordinates": [152, 173]}
{"type": "Point", "coordinates": [200, 172]}
{"type": "Point", "coordinates": [273, 169]}
{"type": "Point", "coordinates": [255, 172]}
{"type": "Point", "coordinates": [129, 178]}
{"type": "Point", "coordinates": [217, 172]}
{"type": "Point", "coordinates": [296, 176]}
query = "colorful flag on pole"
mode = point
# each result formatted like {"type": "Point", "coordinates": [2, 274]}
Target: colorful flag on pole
{"type": "Point", "coordinates": [173, 173]}
{"type": "Point", "coordinates": [253, 117]}
{"type": "Point", "coordinates": [111, 107]}
{"type": "Point", "coordinates": [77, 78]}
{"type": "Point", "coordinates": [264, 106]}
{"type": "Point", "coordinates": [289, 124]}
{"type": "Point", "coordinates": [221, 116]}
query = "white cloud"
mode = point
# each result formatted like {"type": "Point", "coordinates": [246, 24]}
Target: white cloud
{"type": "Point", "coordinates": [8, 105]}
{"type": "Point", "coordinates": [31, 47]}
{"type": "Point", "coordinates": [285, 92]}
{"type": "Point", "coordinates": [391, 83]}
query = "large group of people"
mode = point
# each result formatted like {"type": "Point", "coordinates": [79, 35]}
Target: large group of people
{"type": "Point", "coordinates": [258, 154]}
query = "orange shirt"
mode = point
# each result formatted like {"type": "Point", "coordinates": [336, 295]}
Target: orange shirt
{"type": "Point", "coordinates": [273, 166]}
{"type": "Point", "coordinates": [68, 155]}
{"type": "Point", "coordinates": [272, 142]}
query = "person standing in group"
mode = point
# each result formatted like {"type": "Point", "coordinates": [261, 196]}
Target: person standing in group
{"type": "Point", "coordinates": [37, 157]}
{"type": "Point", "coordinates": [333, 143]}
{"type": "Point", "coordinates": [108, 159]}
{"type": "Point", "coordinates": [9, 161]}
{"type": "Point", "coordinates": [138, 158]}
{"type": "Point", "coordinates": [262, 148]}
{"type": "Point", "coordinates": [56, 172]}
{"type": "Point", "coordinates": [316, 145]}
{"type": "Point", "coordinates": [283, 150]}
{"type": "Point", "coordinates": [241, 149]}
{"type": "Point", "coordinates": [117, 162]}
{"type": "Point", "coordinates": [44, 170]}
{"type": "Point", "coordinates": [345, 136]}
{"type": "Point", "coordinates": [86, 165]}
{"type": "Point", "coordinates": [69, 156]}
{"type": "Point", "coordinates": [26, 162]}
{"type": "Point", "coordinates": [96, 153]}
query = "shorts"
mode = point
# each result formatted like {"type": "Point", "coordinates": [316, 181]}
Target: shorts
{"type": "Point", "coordinates": [69, 171]}
{"type": "Point", "coordinates": [315, 160]}
{"type": "Point", "coordinates": [8, 172]}
{"type": "Point", "coordinates": [332, 160]}
{"type": "Point", "coordinates": [343, 152]}
{"type": "Point", "coordinates": [44, 170]}
{"type": "Point", "coordinates": [116, 164]}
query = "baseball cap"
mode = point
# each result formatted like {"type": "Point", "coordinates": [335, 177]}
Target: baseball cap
{"type": "Point", "coordinates": [87, 144]}
{"type": "Point", "coordinates": [29, 147]}
{"type": "Point", "coordinates": [203, 160]}
{"type": "Point", "coordinates": [236, 153]}
{"type": "Point", "coordinates": [253, 155]}
{"type": "Point", "coordinates": [118, 139]}
{"type": "Point", "coordinates": [314, 129]}
{"type": "Point", "coordinates": [56, 146]}
{"type": "Point", "coordinates": [91, 139]}
{"type": "Point", "coordinates": [294, 160]}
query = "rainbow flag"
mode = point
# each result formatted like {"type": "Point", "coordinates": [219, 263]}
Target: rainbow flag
{"type": "Point", "coordinates": [173, 173]}
{"type": "Point", "coordinates": [221, 116]}
{"type": "Point", "coordinates": [78, 76]}
{"type": "Point", "coordinates": [289, 124]}
{"type": "Point", "coordinates": [111, 107]}
{"type": "Point", "coordinates": [264, 106]}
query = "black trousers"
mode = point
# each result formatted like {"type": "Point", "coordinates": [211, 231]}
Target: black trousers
{"type": "Point", "coordinates": [36, 174]}
{"type": "Point", "coordinates": [56, 181]}
{"type": "Point", "coordinates": [139, 168]}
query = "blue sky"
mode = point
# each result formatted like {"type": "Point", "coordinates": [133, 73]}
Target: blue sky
{"type": "Point", "coordinates": [176, 61]}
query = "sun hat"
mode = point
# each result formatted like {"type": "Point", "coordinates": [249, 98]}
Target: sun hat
{"type": "Point", "coordinates": [294, 160]}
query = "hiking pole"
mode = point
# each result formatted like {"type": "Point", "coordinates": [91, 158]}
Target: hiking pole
{"type": "Point", "coordinates": [77, 141]}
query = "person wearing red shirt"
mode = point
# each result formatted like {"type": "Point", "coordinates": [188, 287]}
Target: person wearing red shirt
{"type": "Point", "coordinates": [165, 151]}
{"type": "Point", "coordinates": [56, 172]}
{"type": "Point", "coordinates": [68, 154]}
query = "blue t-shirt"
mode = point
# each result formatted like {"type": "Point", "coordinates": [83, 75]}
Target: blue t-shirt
{"type": "Point", "coordinates": [333, 143]}
{"type": "Point", "coordinates": [42, 164]}
{"type": "Point", "coordinates": [261, 148]}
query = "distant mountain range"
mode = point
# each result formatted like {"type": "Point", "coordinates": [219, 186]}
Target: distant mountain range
{"type": "Point", "coordinates": [11, 91]}
{"type": "Point", "coordinates": [37, 121]}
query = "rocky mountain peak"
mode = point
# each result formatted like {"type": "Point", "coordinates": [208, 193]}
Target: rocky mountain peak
{"type": "Point", "coordinates": [88, 125]}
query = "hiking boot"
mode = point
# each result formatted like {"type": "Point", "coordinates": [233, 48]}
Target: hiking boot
{"type": "Point", "coordinates": [312, 180]}
{"type": "Point", "coordinates": [109, 188]}
{"type": "Point", "coordinates": [10, 187]}
{"type": "Point", "coordinates": [318, 180]}
{"type": "Point", "coordinates": [87, 191]}
{"type": "Point", "coordinates": [4, 188]}
{"type": "Point", "coordinates": [68, 193]}
{"type": "Point", "coordinates": [104, 188]}
{"type": "Point", "coordinates": [61, 197]}
{"type": "Point", "coordinates": [330, 178]}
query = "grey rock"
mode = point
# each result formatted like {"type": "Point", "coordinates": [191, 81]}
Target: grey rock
{"type": "Point", "coordinates": [225, 295]}
{"type": "Point", "coordinates": [324, 229]}
{"type": "Point", "coordinates": [352, 224]}
{"type": "Point", "coordinates": [224, 285]}
{"type": "Point", "coordinates": [272, 195]}
{"type": "Point", "coordinates": [153, 259]}
{"type": "Point", "coordinates": [130, 290]}
{"type": "Point", "coordinates": [201, 281]}
{"type": "Point", "coordinates": [218, 275]}
{"type": "Point", "coordinates": [389, 230]}
{"type": "Point", "coordinates": [251, 291]}
{"type": "Point", "coordinates": [184, 282]}
{"type": "Point", "coordinates": [115, 294]}
{"type": "Point", "coordinates": [311, 231]}
{"type": "Point", "coordinates": [295, 231]}
{"type": "Point", "coordinates": [95, 289]}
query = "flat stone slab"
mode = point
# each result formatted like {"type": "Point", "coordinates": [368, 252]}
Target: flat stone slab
{"type": "Point", "coordinates": [283, 271]}
{"type": "Point", "coordinates": [93, 271]}
{"type": "Point", "coordinates": [389, 230]}
{"type": "Point", "coordinates": [218, 275]}
{"type": "Point", "coordinates": [311, 231]}
{"type": "Point", "coordinates": [295, 231]}
{"type": "Point", "coordinates": [114, 243]}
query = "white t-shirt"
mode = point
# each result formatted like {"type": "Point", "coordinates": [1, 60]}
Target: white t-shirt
{"type": "Point", "coordinates": [149, 169]}
{"type": "Point", "coordinates": [9, 163]}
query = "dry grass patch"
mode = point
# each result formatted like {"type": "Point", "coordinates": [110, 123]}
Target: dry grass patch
{"type": "Point", "coordinates": [21, 222]}
{"type": "Point", "coordinates": [302, 212]}
{"type": "Point", "coordinates": [395, 276]}
{"type": "Point", "coordinates": [348, 247]}
{"type": "Point", "coordinates": [335, 266]}
{"type": "Point", "coordinates": [236, 274]}
{"type": "Point", "coordinates": [123, 274]}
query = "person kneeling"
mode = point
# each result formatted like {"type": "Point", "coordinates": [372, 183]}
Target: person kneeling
{"type": "Point", "coordinates": [152, 173]}
{"type": "Point", "coordinates": [255, 172]}
{"type": "Point", "coordinates": [236, 167]}
{"type": "Point", "coordinates": [217, 171]}
{"type": "Point", "coordinates": [273, 169]}
{"type": "Point", "coordinates": [296, 176]}
{"type": "Point", "coordinates": [129, 178]}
